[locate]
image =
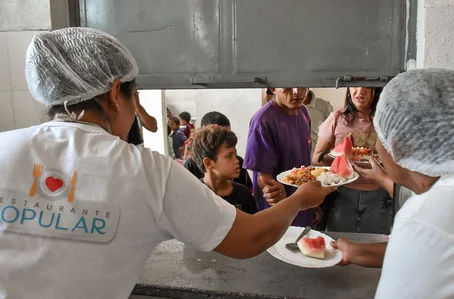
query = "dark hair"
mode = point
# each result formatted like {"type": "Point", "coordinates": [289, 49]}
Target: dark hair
{"type": "Point", "coordinates": [350, 113]}
{"type": "Point", "coordinates": [206, 141]}
{"type": "Point", "coordinates": [135, 135]}
{"type": "Point", "coordinates": [90, 105]}
{"type": "Point", "coordinates": [215, 118]}
{"type": "Point", "coordinates": [185, 116]}
{"type": "Point", "coordinates": [175, 120]}
{"type": "Point", "coordinates": [269, 92]}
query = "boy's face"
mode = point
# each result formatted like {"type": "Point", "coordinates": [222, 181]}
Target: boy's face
{"type": "Point", "coordinates": [226, 165]}
{"type": "Point", "coordinates": [183, 122]}
{"type": "Point", "coordinates": [173, 126]}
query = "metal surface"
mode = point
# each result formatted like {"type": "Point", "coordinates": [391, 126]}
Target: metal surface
{"type": "Point", "coordinates": [290, 42]}
{"type": "Point", "coordinates": [179, 271]}
{"type": "Point", "coordinates": [294, 246]}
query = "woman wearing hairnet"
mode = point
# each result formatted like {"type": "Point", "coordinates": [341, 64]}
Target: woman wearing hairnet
{"type": "Point", "coordinates": [415, 127]}
{"type": "Point", "coordinates": [80, 208]}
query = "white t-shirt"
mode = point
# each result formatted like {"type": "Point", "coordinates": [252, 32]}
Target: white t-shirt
{"type": "Point", "coordinates": [92, 241]}
{"type": "Point", "coordinates": [419, 260]}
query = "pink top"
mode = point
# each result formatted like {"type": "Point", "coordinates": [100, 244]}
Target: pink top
{"type": "Point", "coordinates": [363, 134]}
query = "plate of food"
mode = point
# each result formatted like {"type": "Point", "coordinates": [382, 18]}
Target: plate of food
{"type": "Point", "coordinates": [315, 249]}
{"type": "Point", "coordinates": [340, 173]}
{"type": "Point", "coordinates": [358, 154]}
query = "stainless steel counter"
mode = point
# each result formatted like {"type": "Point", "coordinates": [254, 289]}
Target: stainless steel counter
{"type": "Point", "coordinates": [176, 270]}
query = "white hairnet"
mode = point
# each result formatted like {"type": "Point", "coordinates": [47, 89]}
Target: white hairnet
{"type": "Point", "coordinates": [415, 120]}
{"type": "Point", "coordinates": [75, 65]}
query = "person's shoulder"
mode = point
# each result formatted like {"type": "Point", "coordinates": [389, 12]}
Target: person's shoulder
{"type": "Point", "coordinates": [262, 114]}
{"type": "Point", "coordinates": [432, 208]}
{"type": "Point", "coordinates": [323, 104]}
{"type": "Point", "coordinates": [18, 133]}
{"type": "Point", "coordinates": [338, 112]}
{"type": "Point", "coordinates": [152, 160]}
{"type": "Point", "coordinates": [304, 110]}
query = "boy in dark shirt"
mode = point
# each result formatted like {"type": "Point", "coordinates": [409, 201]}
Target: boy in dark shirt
{"type": "Point", "coordinates": [217, 118]}
{"type": "Point", "coordinates": [213, 150]}
{"type": "Point", "coordinates": [177, 136]}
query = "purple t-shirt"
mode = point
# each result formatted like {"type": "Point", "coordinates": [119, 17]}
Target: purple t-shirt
{"type": "Point", "coordinates": [278, 142]}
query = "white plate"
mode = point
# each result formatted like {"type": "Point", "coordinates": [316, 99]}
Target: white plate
{"type": "Point", "coordinates": [297, 258]}
{"type": "Point", "coordinates": [282, 175]}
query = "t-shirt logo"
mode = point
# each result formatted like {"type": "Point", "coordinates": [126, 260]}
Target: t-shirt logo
{"type": "Point", "coordinates": [52, 183]}
{"type": "Point", "coordinates": [52, 209]}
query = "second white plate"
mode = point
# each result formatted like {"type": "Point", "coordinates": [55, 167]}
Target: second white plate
{"type": "Point", "coordinates": [297, 258]}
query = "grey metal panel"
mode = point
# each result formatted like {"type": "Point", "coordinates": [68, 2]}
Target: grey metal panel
{"type": "Point", "coordinates": [171, 40]}
{"type": "Point", "coordinates": [298, 43]}
{"type": "Point", "coordinates": [228, 43]}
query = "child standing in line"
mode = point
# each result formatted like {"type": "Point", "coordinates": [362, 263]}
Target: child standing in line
{"type": "Point", "coordinates": [177, 136]}
{"type": "Point", "coordinates": [217, 118]}
{"type": "Point", "coordinates": [185, 119]}
{"type": "Point", "coordinates": [213, 150]}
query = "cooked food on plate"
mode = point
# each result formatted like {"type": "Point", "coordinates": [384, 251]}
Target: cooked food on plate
{"type": "Point", "coordinates": [340, 171]}
{"type": "Point", "coordinates": [355, 154]}
{"type": "Point", "coordinates": [361, 153]}
{"type": "Point", "coordinates": [300, 176]}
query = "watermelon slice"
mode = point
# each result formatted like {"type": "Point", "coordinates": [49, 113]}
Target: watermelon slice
{"type": "Point", "coordinates": [345, 147]}
{"type": "Point", "coordinates": [313, 247]}
{"type": "Point", "coordinates": [341, 166]}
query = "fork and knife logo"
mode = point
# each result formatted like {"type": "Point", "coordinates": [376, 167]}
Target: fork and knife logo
{"type": "Point", "coordinates": [52, 183]}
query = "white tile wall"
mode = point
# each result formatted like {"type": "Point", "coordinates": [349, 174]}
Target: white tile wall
{"type": "Point", "coordinates": [17, 45]}
{"type": "Point", "coordinates": [5, 81]}
{"type": "Point", "coordinates": [6, 111]}
{"type": "Point", "coordinates": [27, 111]}
{"type": "Point", "coordinates": [18, 108]}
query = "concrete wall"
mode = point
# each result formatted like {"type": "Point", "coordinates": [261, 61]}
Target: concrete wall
{"type": "Point", "coordinates": [154, 103]}
{"type": "Point", "coordinates": [181, 100]}
{"type": "Point", "coordinates": [24, 15]}
{"type": "Point", "coordinates": [439, 27]}
{"type": "Point", "coordinates": [237, 104]}
{"type": "Point", "coordinates": [335, 96]}
{"type": "Point", "coordinates": [19, 22]}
